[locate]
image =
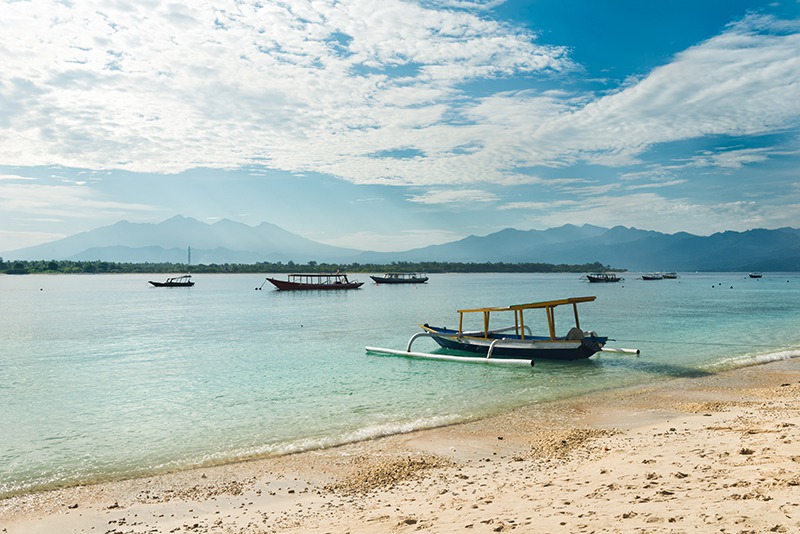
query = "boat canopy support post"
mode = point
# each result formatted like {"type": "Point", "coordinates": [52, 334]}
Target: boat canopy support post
{"type": "Point", "coordinates": [575, 311]}
{"type": "Point", "coordinates": [551, 321]}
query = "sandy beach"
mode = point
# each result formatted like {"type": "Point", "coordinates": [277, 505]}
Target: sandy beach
{"type": "Point", "coordinates": [714, 453]}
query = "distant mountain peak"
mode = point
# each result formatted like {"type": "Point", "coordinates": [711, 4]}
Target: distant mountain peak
{"type": "Point", "coordinates": [225, 241]}
{"type": "Point", "coordinates": [228, 241]}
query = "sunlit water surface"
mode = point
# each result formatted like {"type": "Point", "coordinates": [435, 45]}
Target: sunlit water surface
{"type": "Point", "coordinates": [104, 377]}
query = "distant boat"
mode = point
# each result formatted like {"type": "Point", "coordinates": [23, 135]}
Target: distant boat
{"type": "Point", "coordinates": [653, 276]}
{"type": "Point", "coordinates": [400, 278]}
{"type": "Point", "coordinates": [599, 278]}
{"type": "Point", "coordinates": [672, 275]}
{"type": "Point", "coordinates": [306, 281]}
{"type": "Point", "coordinates": [177, 281]}
{"type": "Point", "coordinates": [755, 275]}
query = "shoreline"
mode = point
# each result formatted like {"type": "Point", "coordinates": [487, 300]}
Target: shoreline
{"type": "Point", "coordinates": [714, 452]}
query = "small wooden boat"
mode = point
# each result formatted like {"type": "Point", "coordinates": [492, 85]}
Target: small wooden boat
{"type": "Point", "coordinates": [177, 281]}
{"type": "Point", "coordinates": [653, 276]}
{"type": "Point", "coordinates": [400, 278]}
{"type": "Point", "coordinates": [599, 278]}
{"type": "Point", "coordinates": [672, 275]}
{"type": "Point", "coordinates": [512, 344]}
{"type": "Point", "coordinates": [307, 281]}
{"type": "Point", "coordinates": [755, 275]}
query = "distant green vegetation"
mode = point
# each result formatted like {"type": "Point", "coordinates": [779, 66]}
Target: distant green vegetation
{"type": "Point", "coordinates": [110, 267]}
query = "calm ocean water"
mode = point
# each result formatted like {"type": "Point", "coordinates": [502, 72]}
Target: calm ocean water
{"type": "Point", "coordinates": [104, 377]}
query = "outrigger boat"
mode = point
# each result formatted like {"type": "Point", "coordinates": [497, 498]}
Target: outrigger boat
{"type": "Point", "coordinates": [400, 278]}
{"type": "Point", "coordinates": [315, 281]}
{"type": "Point", "coordinates": [512, 344]}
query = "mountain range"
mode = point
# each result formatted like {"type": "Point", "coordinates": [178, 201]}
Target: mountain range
{"type": "Point", "coordinates": [227, 241]}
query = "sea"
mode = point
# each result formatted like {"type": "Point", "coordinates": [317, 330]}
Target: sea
{"type": "Point", "coordinates": [104, 377]}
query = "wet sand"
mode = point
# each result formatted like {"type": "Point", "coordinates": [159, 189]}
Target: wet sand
{"type": "Point", "coordinates": [713, 453]}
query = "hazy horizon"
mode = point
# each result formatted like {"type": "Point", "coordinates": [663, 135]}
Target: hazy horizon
{"type": "Point", "coordinates": [178, 215]}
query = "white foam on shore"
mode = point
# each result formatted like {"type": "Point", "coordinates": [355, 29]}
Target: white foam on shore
{"type": "Point", "coordinates": [746, 360]}
{"type": "Point", "coordinates": [335, 440]}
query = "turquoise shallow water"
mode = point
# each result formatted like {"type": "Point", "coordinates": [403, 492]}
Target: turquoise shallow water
{"type": "Point", "coordinates": [104, 377]}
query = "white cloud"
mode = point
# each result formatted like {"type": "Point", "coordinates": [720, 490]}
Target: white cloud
{"type": "Point", "coordinates": [540, 206]}
{"type": "Point", "coordinates": [13, 240]}
{"type": "Point", "coordinates": [668, 215]}
{"type": "Point", "coordinates": [655, 185]}
{"type": "Point", "coordinates": [474, 4]}
{"type": "Point", "coordinates": [333, 87]}
{"type": "Point", "coordinates": [37, 201]}
{"type": "Point", "coordinates": [732, 159]}
{"type": "Point", "coordinates": [163, 87]}
{"type": "Point", "coordinates": [453, 196]}
{"type": "Point", "coordinates": [319, 86]}
{"type": "Point", "coordinates": [14, 177]}
{"type": "Point", "coordinates": [743, 82]}
{"type": "Point", "coordinates": [30, 210]}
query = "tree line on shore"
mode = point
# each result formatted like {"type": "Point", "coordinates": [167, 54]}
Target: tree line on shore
{"type": "Point", "coordinates": [432, 267]}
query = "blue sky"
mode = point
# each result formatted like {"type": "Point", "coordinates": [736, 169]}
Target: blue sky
{"type": "Point", "coordinates": [396, 124]}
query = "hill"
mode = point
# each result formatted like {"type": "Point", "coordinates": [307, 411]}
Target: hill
{"type": "Point", "coordinates": [230, 242]}
{"type": "Point", "coordinates": [631, 248]}
{"type": "Point", "coordinates": [225, 241]}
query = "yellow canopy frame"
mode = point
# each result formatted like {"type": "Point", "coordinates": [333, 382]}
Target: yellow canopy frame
{"type": "Point", "coordinates": [519, 320]}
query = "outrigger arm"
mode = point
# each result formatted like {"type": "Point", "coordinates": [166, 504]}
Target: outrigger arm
{"type": "Point", "coordinates": [466, 359]}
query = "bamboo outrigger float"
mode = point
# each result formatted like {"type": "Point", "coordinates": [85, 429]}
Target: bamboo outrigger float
{"type": "Point", "coordinates": [512, 344]}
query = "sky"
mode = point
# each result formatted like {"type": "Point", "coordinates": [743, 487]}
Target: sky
{"type": "Point", "coordinates": [398, 124]}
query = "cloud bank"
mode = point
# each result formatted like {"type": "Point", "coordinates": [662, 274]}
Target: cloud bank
{"type": "Point", "coordinates": [438, 98]}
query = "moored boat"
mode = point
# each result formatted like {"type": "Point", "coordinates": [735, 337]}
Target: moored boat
{"type": "Point", "coordinates": [177, 281]}
{"type": "Point", "coordinates": [511, 344]}
{"type": "Point", "coordinates": [653, 276]}
{"type": "Point", "coordinates": [598, 278]}
{"type": "Point", "coordinates": [755, 275]}
{"type": "Point", "coordinates": [671, 275]}
{"type": "Point", "coordinates": [323, 281]}
{"type": "Point", "coordinates": [400, 278]}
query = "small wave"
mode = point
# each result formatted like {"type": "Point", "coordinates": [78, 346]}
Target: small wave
{"type": "Point", "coordinates": [749, 359]}
{"type": "Point", "coordinates": [335, 440]}
{"type": "Point", "coordinates": [62, 477]}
